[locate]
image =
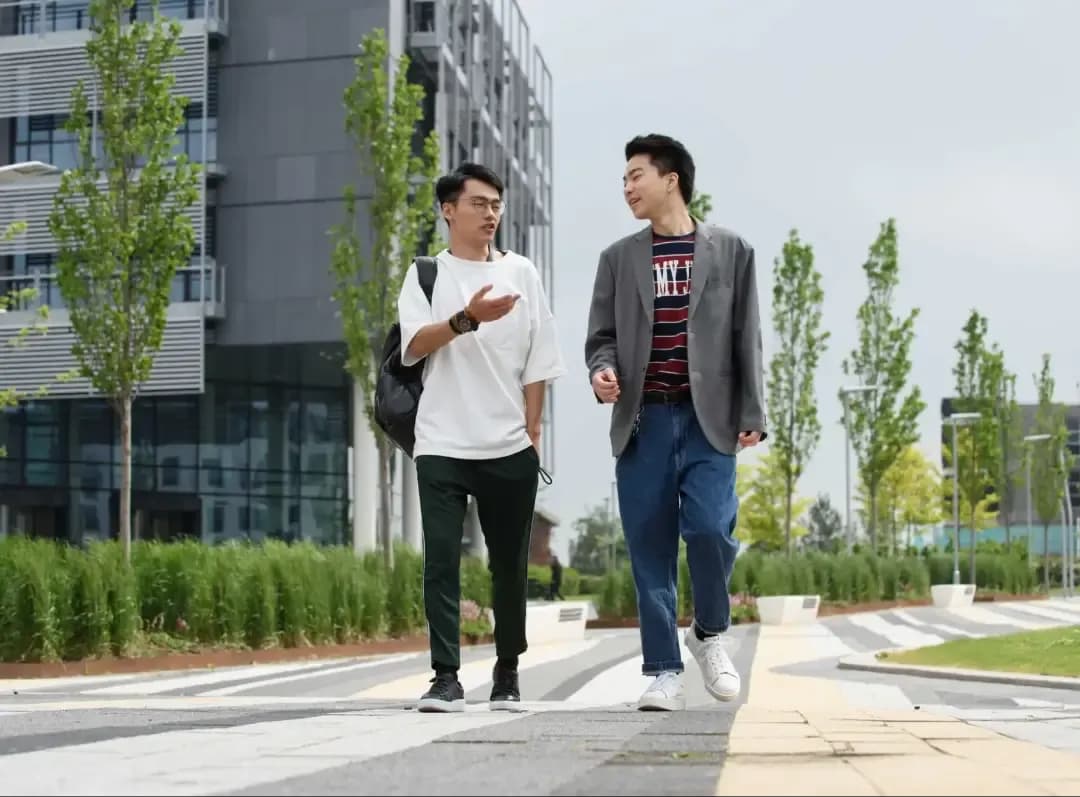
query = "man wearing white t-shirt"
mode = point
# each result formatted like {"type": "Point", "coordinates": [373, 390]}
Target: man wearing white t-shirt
{"type": "Point", "coordinates": [489, 339]}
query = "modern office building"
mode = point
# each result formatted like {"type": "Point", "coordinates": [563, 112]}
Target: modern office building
{"type": "Point", "coordinates": [1013, 508]}
{"type": "Point", "coordinates": [245, 428]}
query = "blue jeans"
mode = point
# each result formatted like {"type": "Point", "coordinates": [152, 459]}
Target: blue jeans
{"type": "Point", "coordinates": [672, 481]}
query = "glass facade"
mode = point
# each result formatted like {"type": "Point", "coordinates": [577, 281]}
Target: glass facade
{"type": "Point", "coordinates": [263, 453]}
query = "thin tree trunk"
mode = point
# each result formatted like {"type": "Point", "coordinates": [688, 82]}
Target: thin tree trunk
{"type": "Point", "coordinates": [873, 519]}
{"type": "Point", "coordinates": [973, 549]}
{"type": "Point", "coordinates": [386, 501]}
{"type": "Point", "coordinates": [1046, 557]}
{"type": "Point", "coordinates": [787, 513]}
{"type": "Point", "coordinates": [125, 478]}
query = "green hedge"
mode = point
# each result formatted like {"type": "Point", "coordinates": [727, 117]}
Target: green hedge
{"type": "Point", "coordinates": [63, 603]}
{"type": "Point", "coordinates": [838, 578]}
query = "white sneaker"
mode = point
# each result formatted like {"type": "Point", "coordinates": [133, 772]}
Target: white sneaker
{"type": "Point", "coordinates": [665, 693]}
{"type": "Point", "coordinates": [721, 679]}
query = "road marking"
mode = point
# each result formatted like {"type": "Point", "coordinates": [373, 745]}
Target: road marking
{"type": "Point", "coordinates": [159, 683]}
{"type": "Point", "coordinates": [217, 760]}
{"type": "Point", "coordinates": [1042, 610]}
{"type": "Point", "coordinates": [284, 679]}
{"type": "Point", "coordinates": [620, 683]}
{"type": "Point", "coordinates": [47, 684]}
{"type": "Point", "coordinates": [948, 629]}
{"type": "Point", "coordinates": [824, 641]}
{"type": "Point", "coordinates": [901, 635]}
{"type": "Point", "coordinates": [474, 674]}
{"type": "Point", "coordinates": [983, 616]}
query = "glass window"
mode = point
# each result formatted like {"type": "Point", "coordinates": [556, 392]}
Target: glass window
{"type": "Point", "coordinates": [177, 443]}
{"type": "Point", "coordinates": [91, 515]}
{"type": "Point", "coordinates": [91, 444]}
{"type": "Point", "coordinates": [223, 449]}
{"type": "Point", "coordinates": [323, 521]}
{"type": "Point", "coordinates": [142, 446]}
{"type": "Point", "coordinates": [11, 439]}
{"type": "Point", "coordinates": [44, 446]}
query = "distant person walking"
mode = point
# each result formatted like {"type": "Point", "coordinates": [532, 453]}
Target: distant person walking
{"type": "Point", "coordinates": [555, 590]}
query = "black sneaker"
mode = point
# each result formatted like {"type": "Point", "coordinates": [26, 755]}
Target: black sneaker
{"type": "Point", "coordinates": [505, 694]}
{"type": "Point", "coordinates": [446, 694]}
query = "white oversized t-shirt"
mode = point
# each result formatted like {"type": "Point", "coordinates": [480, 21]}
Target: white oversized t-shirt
{"type": "Point", "coordinates": [473, 404]}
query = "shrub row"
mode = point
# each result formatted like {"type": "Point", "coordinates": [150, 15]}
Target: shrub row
{"type": "Point", "coordinates": [64, 603]}
{"type": "Point", "coordinates": [838, 578]}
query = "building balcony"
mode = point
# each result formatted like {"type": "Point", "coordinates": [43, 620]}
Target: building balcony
{"type": "Point", "coordinates": [36, 353]}
{"type": "Point", "coordinates": [43, 57]}
{"type": "Point", "coordinates": [192, 285]}
{"type": "Point", "coordinates": [31, 201]}
{"type": "Point", "coordinates": [44, 17]}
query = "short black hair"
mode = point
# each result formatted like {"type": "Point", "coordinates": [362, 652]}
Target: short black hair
{"type": "Point", "coordinates": [450, 186]}
{"type": "Point", "coordinates": [667, 155]}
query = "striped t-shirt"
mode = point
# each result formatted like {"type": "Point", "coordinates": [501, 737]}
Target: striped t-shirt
{"type": "Point", "coordinates": [672, 262]}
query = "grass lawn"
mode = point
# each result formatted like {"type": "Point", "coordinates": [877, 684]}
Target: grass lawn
{"type": "Point", "coordinates": [1050, 651]}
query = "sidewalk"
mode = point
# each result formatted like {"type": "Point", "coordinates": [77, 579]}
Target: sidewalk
{"type": "Point", "coordinates": [800, 735]}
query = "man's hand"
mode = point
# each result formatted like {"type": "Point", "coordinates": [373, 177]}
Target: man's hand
{"type": "Point", "coordinates": [606, 385]}
{"type": "Point", "coordinates": [748, 439]}
{"type": "Point", "coordinates": [481, 309]}
{"type": "Point", "coordinates": [534, 435]}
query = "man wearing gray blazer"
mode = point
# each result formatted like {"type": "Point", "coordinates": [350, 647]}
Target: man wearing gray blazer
{"type": "Point", "coordinates": [674, 342]}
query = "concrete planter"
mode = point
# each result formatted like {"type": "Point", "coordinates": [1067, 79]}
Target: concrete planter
{"type": "Point", "coordinates": [788, 609]}
{"type": "Point", "coordinates": [555, 621]}
{"type": "Point", "coordinates": [952, 596]}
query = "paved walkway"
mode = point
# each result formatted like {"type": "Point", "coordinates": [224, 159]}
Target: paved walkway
{"type": "Point", "coordinates": [801, 735]}
{"type": "Point", "coordinates": [347, 726]}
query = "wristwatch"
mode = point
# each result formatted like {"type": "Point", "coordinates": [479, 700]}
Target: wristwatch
{"type": "Point", "coordinates": [462, 322]}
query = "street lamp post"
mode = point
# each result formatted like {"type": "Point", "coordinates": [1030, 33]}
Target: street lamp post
{"type": "Point", "coordinates": [955, 420]}
{"type": "Point", "coordinates": [1066, 524]}
{"type": "Point", "coordinates": [844, 393]}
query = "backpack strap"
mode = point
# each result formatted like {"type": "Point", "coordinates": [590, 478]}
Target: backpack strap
{"type": "Point", "coordinates": [427, 269]}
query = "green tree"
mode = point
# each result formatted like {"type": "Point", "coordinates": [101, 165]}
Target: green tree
{"type": "Point", "coordinates": [909, 496]}
{"type": "Point", "coordinates": [980, 374]}
{"type": "Point", "coordinates": [920, 488]}
{"type": "Point", "coordinates": [1008, 470]}
{"type": "Point", "coordinates": [884, 422]}
{"type": "Point", "coordinates": [760, 522]}
{"type": "Point", "coordinates": [120, 220]}
{"type": "Point", "coordinates": [800, 342]}
{"type": "Point", "coordinates": [1050, 459]}
{"type": "Point", "coordinates": [825, 527]}
{"type": "Point", "coordinates": [596, 531]}
{"type": "Point", "coordinates": [978, 516]}
{"type": "Point", "coordinates": [700, 206]}
{"type": "Point", "coordinates": [382, 112]}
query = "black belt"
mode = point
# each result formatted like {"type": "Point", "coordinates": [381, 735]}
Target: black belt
{"type": "Point", "coordinates": [665, 396]}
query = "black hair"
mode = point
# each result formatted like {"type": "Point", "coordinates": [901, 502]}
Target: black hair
{"type": "Point", "coordinates": [667, 155]}
{"type": "Point", "coordinates": [450, 186]}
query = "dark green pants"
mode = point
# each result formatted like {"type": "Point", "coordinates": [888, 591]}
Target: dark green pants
{"type": "Point", "coordinates": [505, 493]}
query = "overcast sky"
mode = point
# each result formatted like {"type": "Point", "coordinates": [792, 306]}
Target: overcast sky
{"type": "Point", "coordinates": [959, 118]}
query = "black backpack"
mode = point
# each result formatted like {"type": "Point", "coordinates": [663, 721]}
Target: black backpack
{"type": "Point", "coordinates": [397, 386]}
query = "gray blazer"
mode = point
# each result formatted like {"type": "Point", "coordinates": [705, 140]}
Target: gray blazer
{"type": "Point", "coordinates": [724, 333]}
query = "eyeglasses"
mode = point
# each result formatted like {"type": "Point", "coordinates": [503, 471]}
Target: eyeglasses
{"type": "Point", "coordinates": [479, 205]}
